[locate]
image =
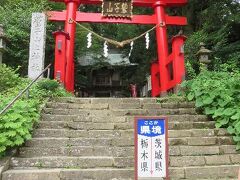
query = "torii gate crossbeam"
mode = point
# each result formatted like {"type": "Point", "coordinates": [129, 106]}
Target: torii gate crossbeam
{"type": "Point", "coordinates": [97, 18]}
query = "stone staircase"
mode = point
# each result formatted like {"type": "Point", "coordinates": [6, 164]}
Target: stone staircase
{"type": "Point", "coordinates": [92, 139]}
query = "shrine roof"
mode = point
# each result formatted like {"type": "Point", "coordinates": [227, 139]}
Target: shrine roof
{"type": "Point", "coordinates": [114, 59]}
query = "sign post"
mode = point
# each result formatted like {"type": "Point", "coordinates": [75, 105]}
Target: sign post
{"type": "Point", "coordinates": [151, 148]}
{"type": "Point", "coordinates": [37, 45]}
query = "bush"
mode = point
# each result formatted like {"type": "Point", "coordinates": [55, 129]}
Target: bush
{"type": "Point", "coordinates": [218, 95]}
{"type": "Point", "coordinates": [48, 85]}
{"type": "Point", "coordinates": [8, 77]}
{"type": "Point", "coordinates": [17, 123]}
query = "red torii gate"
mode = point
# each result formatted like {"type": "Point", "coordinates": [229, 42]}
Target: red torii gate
{"type": "Point", "coordinates": [161, 80]}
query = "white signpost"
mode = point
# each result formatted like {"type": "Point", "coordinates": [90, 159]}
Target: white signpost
{"type": "Point", "coordinates": [37, 45]}
{"type": "Point", "coordinates": [151, 148]}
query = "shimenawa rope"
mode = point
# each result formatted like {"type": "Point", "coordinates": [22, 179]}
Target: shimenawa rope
{"type": "Point", "coordinates": [112, 41]}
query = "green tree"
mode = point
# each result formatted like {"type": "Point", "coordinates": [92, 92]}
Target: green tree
{"type": "Point", "coordinates": [216, 23]}
{"type": "Point", "coordinates": [16, 19]}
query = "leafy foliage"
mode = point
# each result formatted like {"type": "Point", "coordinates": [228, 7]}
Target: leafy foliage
{"type": "Point", "coordinates": [218, 95]}
{"type": "Point", "coordinates": [218, 28]}
{"type": "Point", "coordinates": [16, 19]}
{"type": "Point", "coordinates": [191, 48]}
{"type": "Point", "coordinates": [16, 124]}
{"type": "Point", "coordinates": [9, 78]}
{"type": "Point", "coordinates": [48, 85]}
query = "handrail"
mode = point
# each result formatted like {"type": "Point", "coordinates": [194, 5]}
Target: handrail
{"type": "Point", "coordinates": [10, 104]}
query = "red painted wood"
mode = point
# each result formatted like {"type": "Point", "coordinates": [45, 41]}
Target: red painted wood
{"type": "Point", "coordinates": [56, 15]}
{"type": "Point", "coordinates": [170, 59]}
{"type": "Point", "coordinates": [171, 84]}
{"type": "Point", "coordinates": [162, 47]}
{"type": "Point", "coordinates": [97, 18]}
{"type": "Point", "coordinates": [176, 20]}
{"type": "Point", "coordinates": [155, 81]}
{"type": "Point", "coordinates": [71, 29]}
{"type": "Point", "coordinates": [178, 56]}
{"type": "Point", "coordinates": [60, 55]}
{"type": "Point", "coordinates": [146, 3]}
{"type": "Point", "coordinates": [67, 1]}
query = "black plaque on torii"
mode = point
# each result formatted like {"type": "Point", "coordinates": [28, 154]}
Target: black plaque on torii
{"type": "Point", "coordinates": [117, 8]}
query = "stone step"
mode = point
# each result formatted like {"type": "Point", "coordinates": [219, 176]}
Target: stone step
{"type": "Point", "coordinates": [120, 162]}
{"type": "Point", "coordinates": [197, 133]}
{"type": "Point", "coordinates": [114, 151]}
{"type": "Point", "coordinates": [69, 174]}
{"type": "Point", "coordinates": [201, 141]}
{"type": "Point", "coordinates": [187, 161]}
{"type": "Point", "coordinates": [84, 118]}
{"type": "Point", "coordinates": [73, 162]}
{"type": "Point", "coordinates": [93, 139]}
{"type": "Point", "coordinates": [201, 150]}
{"type": "Point", "coordinates": [69, 127]}
{"type": "Point", "coordinates": [225, 172]}
{"type": "Point", "coordinates": [125, 133]}
{"type": "Point", "coordinates": [101, 119]}
{"type": "Point", "coordinates": [66, 142]}
{"type": "Point", "coordinates": [102, 106]}
{"type": "Point", "coordinates": [77, 151]}
{"type": "Point", "coordinates": [104, 100]}
{"type": "Point", "coordinates": [77, 106]}
{"type": "Point", "coordinates": [177, 125]}
{"type": "Point", "coordinates": [121, 112]}
{"type": "Point", "coordinates": [124, 141]}
{"type": "Point", "coordinates": [212, 172]}
{"type": "Point", "coordinates": [129, 133]}
{"type": "Point", "coordinates": [171, 100]}
{"type": "Point", "coordinates": [168, 105]}
{"type": "Point", "coordinates": [66, 133]}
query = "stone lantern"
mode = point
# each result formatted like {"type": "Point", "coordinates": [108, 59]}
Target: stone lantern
{"type": "Point", "coordinates": [203, 55]}
{"type": "Point", "coordinates": [2, 43]}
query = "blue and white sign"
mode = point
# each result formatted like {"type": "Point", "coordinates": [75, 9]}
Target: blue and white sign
{"type": "Point", "coordinates": [151, 147]}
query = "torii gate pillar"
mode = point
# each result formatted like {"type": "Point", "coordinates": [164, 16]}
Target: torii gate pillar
{"type": "Point", "coordinates": [162, 45]}
{"type": "Point", "coordinates": [70, 28]}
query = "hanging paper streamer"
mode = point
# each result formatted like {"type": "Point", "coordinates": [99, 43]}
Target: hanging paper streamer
{"type": "Point", "coordinates": [89, 40]}
{"type": "Point", "coordinates": [105, 49]}
{"type": "Point", "coordinates": [147, 40]}
{"type": "Point", "coordinates": [131, 45]}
